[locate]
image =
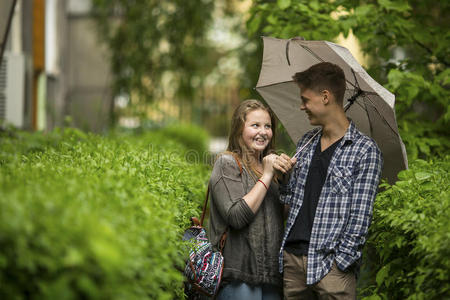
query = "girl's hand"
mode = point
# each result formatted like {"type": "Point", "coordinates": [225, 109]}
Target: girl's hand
{"type": "Point", "coordinates": [268, 164]}
{"type": "Point", "coordinates": [256, 195]}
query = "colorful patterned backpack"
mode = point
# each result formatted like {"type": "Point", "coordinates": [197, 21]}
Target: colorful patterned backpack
{"type": "Point", "coordinates": [204, 267]}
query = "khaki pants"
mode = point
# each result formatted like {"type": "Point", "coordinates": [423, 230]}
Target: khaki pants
{"type": "Point", "coordinates": [335, 285]}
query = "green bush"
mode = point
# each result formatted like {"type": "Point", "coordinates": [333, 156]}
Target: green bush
{"type": "Point", "coordinates": [409, 241]}
{"type": "Point", "coordinates": [84, 216]}
{"type": "Point", "coordinates": [194, 138]}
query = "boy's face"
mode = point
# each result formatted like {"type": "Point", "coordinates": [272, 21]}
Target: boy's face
{"type": "Point", "coordinates": [313, 105]}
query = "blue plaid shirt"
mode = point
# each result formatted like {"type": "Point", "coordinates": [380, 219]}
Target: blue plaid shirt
{"type": "Point", "coordinates": [344, 210]}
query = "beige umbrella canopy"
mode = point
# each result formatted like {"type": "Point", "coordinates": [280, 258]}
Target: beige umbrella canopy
{"type": "Point", "coordinates": [372, 110]}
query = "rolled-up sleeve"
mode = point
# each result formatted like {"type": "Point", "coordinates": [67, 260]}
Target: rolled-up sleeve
{"type": "Point", "coordinates": [228, 192]}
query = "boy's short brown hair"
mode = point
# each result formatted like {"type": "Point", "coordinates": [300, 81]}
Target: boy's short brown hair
{"type": "Point", "coordinates": [323, 76]}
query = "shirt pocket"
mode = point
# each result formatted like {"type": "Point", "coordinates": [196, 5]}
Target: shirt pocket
{"type": "Point", "coordinates": [341, 180]}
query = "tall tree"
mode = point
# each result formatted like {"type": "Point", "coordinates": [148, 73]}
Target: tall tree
{"type": "Point", "coordinates": [408, 46]}
{"type": "Point", "coordinates": [157, 47]}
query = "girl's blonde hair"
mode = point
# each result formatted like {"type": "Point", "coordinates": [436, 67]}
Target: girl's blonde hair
{"type": "Point", "coordinates": [236, 144]}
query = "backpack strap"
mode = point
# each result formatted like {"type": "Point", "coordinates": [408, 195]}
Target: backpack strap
{"type": "Point", "coordinates": [236, 158]}
{"type": "Point", "coordinates": [205, 204]}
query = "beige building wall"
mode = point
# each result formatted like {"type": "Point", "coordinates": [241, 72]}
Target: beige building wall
{"type": "Point", "coordinates": [352, 44]}
{"type": "Point", "coordinates": [78, 73]}
{"type": "Point", "coordinates": [89, 96]}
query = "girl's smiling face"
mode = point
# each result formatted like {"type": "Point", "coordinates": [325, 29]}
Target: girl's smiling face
{"type": "Point", "coordinates": [257, 131]}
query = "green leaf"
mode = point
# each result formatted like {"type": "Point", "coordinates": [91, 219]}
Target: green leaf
{"type": "Point", "coordinates": [447, 115]}
{"type": "Point", "coordinates": [444, 77]}
{"type": "Point", "coordinates": [422, 175]}
{"type": "Point", "coordinates": [399, 6]}
{"type": "Point", "coordinates": [272, 19]}
{"type": "Point", "coordinates": [372, 297]}
{"type": "Point", "coordinates": [395, 78]}
{"type": "Point", "coordinates": [254, 24]}
{"type": "Point", "coordinates": [399, 242]}
{"type": "Point", "coordinates": [314, 5]}
{"type": "Point", "coordinates": [413, 90]}
{"type": "Point", "coordinates": [382, 274]}
{"type": "Point", "coordinates": [363, 10]}
{"type": "Point", "coordinates": [423, 146]}
{"type": "Point", "coordinates": [283, 4]}
{"type": "Point", "coordinates": [268, 29]}
{"type": "Point", "coordinates": [419, 280]}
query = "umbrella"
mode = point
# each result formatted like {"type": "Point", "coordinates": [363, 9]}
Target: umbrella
{"type": "Point", "coordinates": [368, 104]}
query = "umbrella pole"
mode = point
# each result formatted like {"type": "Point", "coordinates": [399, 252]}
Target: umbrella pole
{"type": "Point", "coordinates": [307, 143]}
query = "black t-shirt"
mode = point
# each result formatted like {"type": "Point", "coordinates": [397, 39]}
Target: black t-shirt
{"type": "Point", "coordinates": [298, 239]}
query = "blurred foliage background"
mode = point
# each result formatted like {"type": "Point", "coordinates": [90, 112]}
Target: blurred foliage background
{"type": "Point", "coordinates": [195, 61]}
{"type": "Point", "coordinates": [406, 48]}
{"type": "Point", "coordinates": [172, 60]}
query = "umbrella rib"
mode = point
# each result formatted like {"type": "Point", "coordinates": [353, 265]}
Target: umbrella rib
{"type": "Point", "coordinates": [364, 107]}
{"type": "Point", "coordinates": [369, 93]}
{"type": "Point", "coordinates": [310, 51]}
{"type": "Point", "coordinates": [287, 52]}
{"type": "Point", "coordinates": [264, 86]}
{"type": "Point", "coordinates": [360, 105]}
{"type": "Point", "coordinates": [356, 80]}
{"type": "Point", "coordinates": [384, 119]}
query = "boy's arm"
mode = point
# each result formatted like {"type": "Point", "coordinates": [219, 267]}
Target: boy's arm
{"type": "Point", "coordinates": [363, 195]}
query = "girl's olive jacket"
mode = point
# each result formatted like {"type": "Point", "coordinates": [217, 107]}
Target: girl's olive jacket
{"type": "Point", "coordinates": [253, 239]}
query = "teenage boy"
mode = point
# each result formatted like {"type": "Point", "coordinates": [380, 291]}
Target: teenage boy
{"type": "Point", "coordinates": [331, 189]}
